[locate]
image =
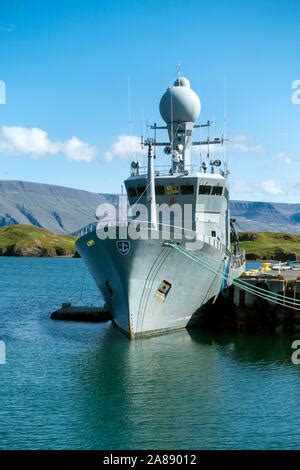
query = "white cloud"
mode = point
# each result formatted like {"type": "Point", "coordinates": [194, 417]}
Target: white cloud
{"type": "Point", "coordinates": [239, 143]}
{"type": "Point", "coordinates": [242, 138]}
{"type": "Point", "coordinates": [242, 186]}
{"type": "Point", "coordinates": [125, 147]}
{"type": "Point", "coordinates": [77, 150]}
{"type": "Point", "coordinates": [16, 140]}
{"type": "Point", "coordinates": [20, 140]}
{"type": "Point", "coordinates": [272, 187]}
{"type": "Point", "coordinates": [283, 158]}
{"type": "Point", "coordinates": [243, 143]}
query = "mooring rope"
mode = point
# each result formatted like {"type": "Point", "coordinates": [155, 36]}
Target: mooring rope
{"type": "Point", "coordinates": [241, 284]}
{"type": "Point", "coordinates": [259, 292]}
{"type": "Point", "coordinates": [82, 285]}
{"type": "Point", "coordinates": [244, 283]}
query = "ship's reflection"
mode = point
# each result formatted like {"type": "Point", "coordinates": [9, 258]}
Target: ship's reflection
{"type": "Point", "coordinates": [252, 348]}
{"type": "Point", "coordinates": [256, 347]}
{"type": "Point", "coordinates": [168, 391]}
{"type": "Point", "coordinates": [142, 392]}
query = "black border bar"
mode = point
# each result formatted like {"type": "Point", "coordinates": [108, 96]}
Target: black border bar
{"type": "Point", "coordinates": [151, 458]}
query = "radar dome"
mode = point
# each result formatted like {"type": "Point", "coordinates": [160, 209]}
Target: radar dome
{"type": "Point", "coordinates": [180, 103]}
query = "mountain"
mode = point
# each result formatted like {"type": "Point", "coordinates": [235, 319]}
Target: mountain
{"type": "Point", "coordinates": [266, 216]}
{"type": "Point", "coordinates": [66, 210]}
{"type": "Point", "coordinates": [55, 208]}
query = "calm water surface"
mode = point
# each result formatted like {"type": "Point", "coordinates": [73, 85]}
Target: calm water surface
{"type": "Point", "coordinates": [85, 386]}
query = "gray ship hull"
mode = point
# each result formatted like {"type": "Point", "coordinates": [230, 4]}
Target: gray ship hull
{"type": "Point", "coordinates": [133, 284]}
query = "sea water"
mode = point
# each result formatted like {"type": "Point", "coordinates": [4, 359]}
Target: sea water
{"type": "Point", "coordinates": [68, 385]}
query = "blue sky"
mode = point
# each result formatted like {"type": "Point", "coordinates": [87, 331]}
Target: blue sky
{"type": "Point", "coordinates": [66, 66]}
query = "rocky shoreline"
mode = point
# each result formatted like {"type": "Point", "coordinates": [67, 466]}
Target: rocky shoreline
{"type": "Point", "coordinates": [35, 242]}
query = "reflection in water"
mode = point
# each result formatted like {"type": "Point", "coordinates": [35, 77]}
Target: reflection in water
{"type": "Point", "coordinates": [189, 389]}
{"type": "Point", "coordinates": [85, 386]}
{"type": "Point", "coordinates": [149, 388]}
{"type": "Point", "coordinates": [255, 348]}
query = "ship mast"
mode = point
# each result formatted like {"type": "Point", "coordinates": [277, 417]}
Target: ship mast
{"type": "Point", "coordinates": [180, 108]}
{"type": "Point", "coordinates": [151, 199]}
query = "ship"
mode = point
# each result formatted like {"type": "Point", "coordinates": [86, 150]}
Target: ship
{"type": "Point", "coordinates": [157, 274]}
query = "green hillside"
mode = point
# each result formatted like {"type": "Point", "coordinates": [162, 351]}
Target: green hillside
{"type": "Point", "coordinates": [268, 245]}
{"type": "Point", "coordinates": [28, 240]}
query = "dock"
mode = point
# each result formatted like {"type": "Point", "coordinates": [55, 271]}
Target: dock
{"type": "Point", "coordinates": [237, 309]}
{"type": "Point", "coordinates": [69, 312]}
{"type": "Point", "coordinates": [280, 315]}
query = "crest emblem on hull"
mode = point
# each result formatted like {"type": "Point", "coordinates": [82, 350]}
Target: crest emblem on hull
{"type": "Point", "coordinates": [123, 246]}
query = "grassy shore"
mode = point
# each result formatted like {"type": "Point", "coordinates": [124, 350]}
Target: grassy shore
{"type": "Point", "coordinates": [28, 240]}
{"type": "Point", "coordinates": [268, 245]}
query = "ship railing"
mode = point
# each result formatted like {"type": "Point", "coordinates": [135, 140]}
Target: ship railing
{"type": "Point", "coordinates": [89, 228]}
{"type": "Point", "coordinates": [165, 170]}
{"type": "Point", "coordinates": [212, 241]}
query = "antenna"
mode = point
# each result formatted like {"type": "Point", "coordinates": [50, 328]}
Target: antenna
{"type": "Point", "coordinates": [225, 124]}
{"type": "Point", "coordinates": [172, 131]}
{"type": "Point", "coordinates": [200, 153]}
{"type": "Point", "coordinates": [129, 115]}
{"type": "Point", "coordinates": [208, 126]}
{"type": "Point", "coordinates": [179, 69]}
{"type": "Point", "coordinates": [142, 128]}
{"type": "Point", "coordinates": [155, 127]}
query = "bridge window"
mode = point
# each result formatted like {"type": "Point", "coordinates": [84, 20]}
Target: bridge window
{"type": "Point", "coordinates": [226, 194]}
{"type": "Point", "coordinates": [141, 190]}
{"type": "Point", "coordinates": [159, 190]}
{"type": "Point", "coordinates": [171, 189]}
{"type": "Point", "coordinates": [131, 192]}
{"type": "Point", "coordinates": [187, 189]}
{"type": "Point", "coordinates": [217, 190]}
{"type": "Point", "coordinates": [204, 189]}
